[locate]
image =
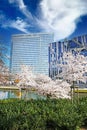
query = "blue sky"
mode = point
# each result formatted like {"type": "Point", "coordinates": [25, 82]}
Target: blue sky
{"type": "Point", "coordinates": [66, 19]}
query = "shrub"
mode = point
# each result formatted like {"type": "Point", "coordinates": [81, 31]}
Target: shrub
{"type": "Point", "coordinates": [50, 114]}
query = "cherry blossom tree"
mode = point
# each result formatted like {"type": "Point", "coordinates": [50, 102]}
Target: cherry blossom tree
{"type": "Point", "coordinates": [4, 75]}
{"type": "Point", "coordinates": [26, 77]}
{"type": "Point", "coordinates": [74, 67]}
{"type": "Point", "coordinates": [43, 84]}
{"type": "Point", "coordinates": [54, 89]}
{"type": "Point", "coordinates": [4, 71]}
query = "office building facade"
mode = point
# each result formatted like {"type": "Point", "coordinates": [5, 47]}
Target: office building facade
{"type": "Point", "coordinates": [31, 50]}
{"type": "Point", "coordinates": [56, 50]}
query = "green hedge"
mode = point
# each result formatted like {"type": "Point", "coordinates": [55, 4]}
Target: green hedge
{"type": "Point", "coordinates": [49, 114]}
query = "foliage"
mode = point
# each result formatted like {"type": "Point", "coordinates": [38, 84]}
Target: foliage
{"type": "Point", "coordinates": [82, 108]}
{"type": "Point", "coordinates": [49, 114]}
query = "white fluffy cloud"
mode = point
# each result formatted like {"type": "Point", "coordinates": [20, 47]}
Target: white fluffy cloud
{"type": "Point", "coordinates": [57, 16]}
{"type": "Point", "coordinates": [61, 16]}
{"type": "Point", "coordinates": [19, 24]}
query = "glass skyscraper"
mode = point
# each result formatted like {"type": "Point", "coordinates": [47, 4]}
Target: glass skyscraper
{"type": "Point", "coordinates": [56, 50]}
{"type": "Point", "coordinates": [31, 50]}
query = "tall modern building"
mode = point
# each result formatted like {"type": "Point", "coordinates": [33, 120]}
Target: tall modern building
{"type": "Point", "coordinates": [31, 50]}
{"type": "Point", "coordinates": [56, 50]}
